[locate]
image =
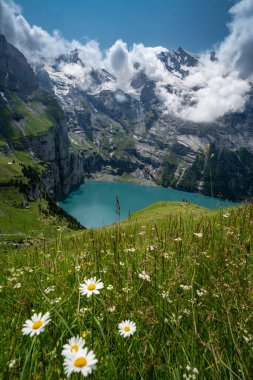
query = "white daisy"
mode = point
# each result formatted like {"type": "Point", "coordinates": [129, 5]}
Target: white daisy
{"type": "Point", "coordinates": [81, 361]}
{"type": "Point", "coordinates": [127, 328]}
{"type": "Point", "coordinates": [74, 345]}
{"type": "Point", "coordinates": [90, 286]}
{"type": "Point", "coordinates": [36, 324]}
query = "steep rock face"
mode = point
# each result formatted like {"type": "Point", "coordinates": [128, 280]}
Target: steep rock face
{"type": "Point", "coordinates": [35, 124]}
{"type": "Point", "coordinates": [117, 132]}
{"type": "Point", "coordinates": [15, 73]}
{"type": "Point", "coordinates": [111, 131]}
{"type": "Point", "coordinates": [64, 168]}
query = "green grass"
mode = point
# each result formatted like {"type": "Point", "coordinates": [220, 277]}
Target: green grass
{"type": "Point", "coordinates": [36, 122]}
{"type": "Point", "coordinates": [8, 169]}
{"type": "Point", "coordinates": [10, 165]}
{"type": "Point", "coordinates": [18, 224]}
{"type": "Point", "coordinates": [20, 119]}
{"type": "Point", "coordinates": [161, 210]}
{"type": "Point", "coordinates": [2, 143]}
{"type": "Point", "coordinates": [195, 311]}
{"type": "Point", "coordinates": [8, 130]}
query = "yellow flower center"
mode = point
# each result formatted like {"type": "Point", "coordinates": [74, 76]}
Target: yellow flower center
{"type": "Point", "coordinates": [37, 325]}
{"type": "Point", "coordinates": [74, 347]}
{"type": "Point", "coordinates": [80, 362]}
{"type": "Point", "coordinates": [91, 287]}
{"type": "Point", "coordinates": [126, 328]}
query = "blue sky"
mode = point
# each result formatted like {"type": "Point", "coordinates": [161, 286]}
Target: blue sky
{"type": "Point", "coordinates": [195, 25]}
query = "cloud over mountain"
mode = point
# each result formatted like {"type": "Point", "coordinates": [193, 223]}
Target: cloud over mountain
{"type": "Point", "coordinates": [219, 84]}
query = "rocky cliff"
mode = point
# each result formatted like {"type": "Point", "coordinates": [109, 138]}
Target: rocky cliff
{"type": "Point", "coordinates": [31, 121]}
{"type": "Point", "coordinates": [107, 130]}
{"type": "Point", "coordinates": [129, 132]}
{"type": "Point", "coordinates": [15, 73]}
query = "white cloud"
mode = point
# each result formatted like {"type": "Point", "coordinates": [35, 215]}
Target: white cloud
{"type": "Point", "coordinates": [212, 89]}
{"type": "Point", "coordinates": [224, 82]}
{"type": "Point", "coordinates": [118, 62]}
{"type": "Point", "coordinates": [36, 43]}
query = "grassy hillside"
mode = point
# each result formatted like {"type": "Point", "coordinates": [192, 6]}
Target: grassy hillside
{"type": "Point", "coordinates": [19, 224]}
{"type": "Point", "coordinates": [22, 219]}
{"type": "Point", "coordinates": [161, 210]}
{"type": "Point", "coordinates": [19, 119]}
{"type": "Point", "coordinates": [192, 309]}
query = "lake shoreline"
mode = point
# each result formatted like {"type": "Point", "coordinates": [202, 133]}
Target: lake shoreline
{"type": "Point", "coordinates": [94, 204]}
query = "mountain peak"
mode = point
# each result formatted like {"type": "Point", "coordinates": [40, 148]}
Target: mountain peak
{"type": "Point", "coordinates": [70, 57]}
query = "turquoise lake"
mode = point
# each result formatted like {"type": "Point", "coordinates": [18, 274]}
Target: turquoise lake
{"type": "Point", "coordinates": [94, 203]}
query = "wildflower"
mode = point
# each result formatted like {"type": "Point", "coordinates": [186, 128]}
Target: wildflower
{"type": "Point", "coordinates": [109, 287]}
{"type": "Point", "coordinates": [36, 324]}
{"type": "Point", "coordinates": [192, 372]}
{"type": "Point", "coordinates": [81, 361]}
{"type": "Point", "coordinates": [144, 276]}
{"type": "Point", "coordinates": [130, 250]}
{"type": "Point", "coordinates": [91, 286]}
{"type": "Point", "coordinates": [201, 292]}
{"type": "Point", "coordinates": [127, 328]}
{"type": "Point", "coordinates": [74, 345]}
{"type": "Point", "coordinates": [226, 215]}
{"type": "Point", "coordinates": [198, 234]}
{"type": "Point", "coordinates": [84, 334]}
{"type": "Point", "coordinates": [17, 286]}
{"type": "Point", "coordinates": [83, 310]}
{"type": "Point", "coordinates": [12, 363]}
{"type": "Point", "coordinates": [55, 300]}
{"type": "Point", "coordinates": [165, 295]}
{"type": "Point", "coordinates": [126, 289]}
{"type": "Point", "coordinates": [49, 289]}
{"type": "Point", "coordinates": [186, 311]}
{"type": "Point", "coordinates": [185, 287]}
{"type": "Point", "coordinates": [178, 239]}
{"type": "Point", "coordinates": [111, 309]}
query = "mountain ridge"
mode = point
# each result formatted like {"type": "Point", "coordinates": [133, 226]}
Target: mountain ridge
{"type": "Point", "coordinates": [117, 132]}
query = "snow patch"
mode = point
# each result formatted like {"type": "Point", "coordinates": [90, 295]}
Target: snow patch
{"type": "Point", "coordinates": [3, 96]}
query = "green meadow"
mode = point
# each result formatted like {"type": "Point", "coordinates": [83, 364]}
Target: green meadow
{"type": "Point", "coordinates": [193, 309]}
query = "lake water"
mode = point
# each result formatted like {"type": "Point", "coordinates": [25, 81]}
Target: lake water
{"type": "Point", "coordinates": [94, 203]}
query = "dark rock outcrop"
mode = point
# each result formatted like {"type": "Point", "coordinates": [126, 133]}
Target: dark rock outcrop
{"type": "Point", "coordinates": [15, 72]}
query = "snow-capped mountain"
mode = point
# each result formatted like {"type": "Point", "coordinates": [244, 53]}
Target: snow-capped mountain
{"type": "Point", "coordinates": [129, 130]}
{"type": "Point", "coordinates": [178, 61]}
